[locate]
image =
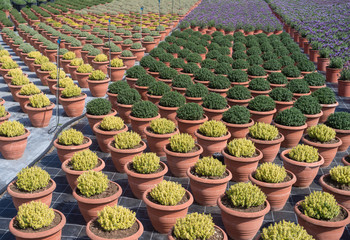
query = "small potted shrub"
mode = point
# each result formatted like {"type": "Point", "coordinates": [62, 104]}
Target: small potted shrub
{"type": "Point", "coordinates": [275, 181]}
{"type": "Point", "coordinates": [32, 184]}
{"type": "Point", "coordinates": [262, 108]}
{"type": "Point", "coordinates": [79, 163]}
{"type": "Point", "coordinates": [181, 82]}
{"type": "Point", "coordinates": [327, 100]}
{"type": "Point", "coordinates": [39, 110]}
{"type": "Point", "coordinates": [243, 208]}
{"type": "Point", "coordinates": [73, 66]}
{"type": "Point", "coordinates": [83, 72]}
{"type": "Point", "coordinates": [137, 50]}
{"type": "Point", "coordinates": [220, 85]}
{"type": "Point", "coordinates": [97, 109]}
{"type": "Point", "coordinates": [142, 113]}
{"type": "Point", "coordinates": [214, 105]}
{"type": "Point", "coordinates": [156, 90]}
{"type": "Point", "coordinates": [321, 222]}
{"type": "Point", "coordinates": [238, 77]}
{"type": "Point", "coordinates": [169, 104]}
{"type": "Point", "coordinates": [13, 139]}
{"type": "Point", "coordinates": [240, 64]}
{"type": "Point", "coordinates": [189, 69]}
{"type": "Point", "coordinates": [93, 192]}
{"type": "Point", "coordinates": [292, 72]}
{"type": "Point", "coordinates": [113, 91]}
{"type": "Point", "coordinates": [304, 161]}
{"type": "Point", "coordinates": [66, 60]}
{"type": "Point", "coordinates": [133, 74]}
{"type": "Point", "coordinates": [177, 64]}
{"type": "Point", "coordinates": [25, 93]}
{"type": "Point", "coordinates": [16, 84]}
{"type": "Point", "coordinates": [259, 86]}
{"type": "Point", "coordinates": [315, 81]}
{"type": "Point", "coordinates": [256, 71]}
{"type": "Point", "coordinates": [344, 83]}
{"type": "Point", "coordinates": [149, 43]}
{"type": "Point", "coordinates": [166, 75]}
{"type": "Point", "coordinates": [144, 171]}
{"type": "Point", "coordinates": [239, 95]}
{"type": "Point", "coordinates": [37, 218]}
{"type": "Point", "coordinates": [126, 99]}
{"type": "Point", "coordinates": [128, 58]}
{"type": "Point", "coordinates": [283, 98]}
{"type": "Point", "coordinates": [44, 71]}
{"type": "Point", "coordinates": [306, 67]}
{"type": "Point", "coordinates": [277, 80]}
{"type": "Point", "coordinates": [4, 115]}
{"type": "Point", "coordinates": [299, 88]}
{"type": "Point", "coordinates": [164, 200]}
{"type": "Point", "coordinates": [98, 83]}
{"type": "Point", "coordinates": [142, 85]}
{"type": "Point", "coordinates": [182, 153]}
{"type": "Point", "coordinates": [272, 66]}
{"type": "Point", "coordinates": [340, 122]}
{"type": "Point", "coordinates": [73, 100]}
{"type": "Point", "coordinates": [126, 44]}
{"type": "Point", "coordinates": [117, 70]}
{"type": "Point", "coordinates": [285, 230]}
{"type": "Point", "coordinates": [311, 109]}
{"type": "Point", "coordinates": [195, 93]}
{"type": "Point", "coordinates": [237, 120]}
{"type": "Point", "coordinates": [333, 70]}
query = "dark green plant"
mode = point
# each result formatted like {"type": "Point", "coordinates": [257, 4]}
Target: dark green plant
{"type": "Point", "coordinates": [219, 82]}
{"type": "Point", "coordinates": [238, 76]}
{"type": "Point", "coordinates": [203, 74]}
{"type": "Point", "coordinates": [128, 96]}
{"type": "Point", "coordinates": [158, 88]}
{"type": "Point", "coordinates": [147, 61]}
{"type": "Point", "coordinates": [209, 64]}
{"type": "Point", "coordinates": [259, 84]}
{"type": "Point", "coordinates": [225, 59]}
{"type": "Point", "coordinates": [239, 55]}
{"type": "Point", "coordinates": [168, 73]}
{"type": "Point", "coordinates": [145, 81]}
{"type": "Point", "coordinates": [144, 109]}
{"type": "Point", "coordinates": [182, 81]}
{"type": "Point", "coordinates": [135, 72]}
{"type": "Point", "coordinates": [291, 71]}
{"type": "Point", "coordinates": [277, 78]}
{"type": "Point", "coordinates": [306, 66]}
{"type": "Point", "coordinates": [240, 64]}
{"type": "Point", "coordinates": [117, 86]}
{"type": "Point", "coordinates": [166, 57]}
{"type": "Point", "coordinates": [336, 62]}
{"type": "Point", "coordinates": [298, 86]}
{"type": "Point", "coordinates": [268, 56]}
{"type": "Point", "coordinates": [98, 106]}
{"type": "Point", "coordinates": [239, 92]}
{"type": "Point", "coordinates": [177, 63]}
{"type": "Point", "coordinates": [315, 79]}
{"type": "Point", "coordinates": [281, 94]}
{"type": "Point", "coordinates": [286, 61]}
{"type": "Point", "coordinates": [172, 99]}
{"type": "Point", "coordinates": [325, 95]}
{"type": "Point", "coordinates": [197, 90]}
{"type": "Point", "coordinates": [239, 47]}
{"type": "Point", "coordinates": [262, 103]}
{"type": "Point", "coordinates": [256, 70]}
{"type": "Point", "coordinates": [236, 115]}
{"type": "Point", "coordinates": [308, 105]}
{"type": "Point", "coordinates": [339, 120]}
{"type": "Point", "coordinates": [292, 117]}
{"type": "Point", "coordinates": [213, 54]}
{"type": "Point", "coordinates": [345, 75]}
{"type": "Point", "coordinates": [190, 68]}
{"type": "Point", "coordinates": [190, 111]}
{"type": "Point", "coordinates": [272, 65]}
{"type": "Point", "coordinates": [223, 68]}
{"type": "Point", "coordinates": [214, 101]}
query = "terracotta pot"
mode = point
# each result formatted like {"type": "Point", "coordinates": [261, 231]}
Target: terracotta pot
{"type": "Point", "coordinates": [65, 152]}
{"type": "Point", "coordinates": [241, 167]}
{"type": "Point", "coordinates": [64, 64]}
{"type": "Point", "coordinates": [277, 193]}
{"type": "Point", "coordinates": [269, 149]}
{"type": "Point", "coordinates": [104, 137]}
{"type": "Point", "coordinates": [98, 88]}
{"type": "Point", "coordinates": [277, 85]}
{"type": "Point", "coordinates": [89, 207]}
{"type": "Point", "coordinates": [326, 150]}
{"type": "Point", "coordinates": [30, 63]}
{"type": "Point", "coordinates": [212, 145]}
{"type": "Point", "coordinates": [82, 79]}
{"type": "Point", "coordinates": [257, 93]}
{"type": "Point", "coordinates": [117, 73]}
{"type": "Point", "coordinates": [142, 90]}
{"type": "Point", "coordinates": [128, 61]}
{"type": "Point", "coordinates": [131, 81]}
{"type": "Point", "coordinates": [5, 118]}
{"type": "Point", "coordinates": [305, 172]}
{"type": "Point", "coordinates": [312, 120]}
{"type": "Point", "coordinates": [322, 63]}
{"type": "Point", "coordinates": [138, 53]}
{"type": "Point", "coordinates": [156, 142]}
{"type": "Point", "coordinates": [322, 230]}
{"type": "Point", "coordinates": [102, 66]}
{"type": "Point", "coordinates": [120, 157]}
{"type": "Point", "coordinates": [19, 198]}
{"type": "Point", "coordinates": [332, 74]}
{"type": "Point", "coordinates": [39, 117]}
{"type": "Point", "coordinates": [313, 55]}
{"type": "Point", "coordinates": [238, 130]}
{"type": "Point", "coordinates": [163, 218]}
{"type": "Point", "coordinates": [72, 175]}
{"type": "Point", "coordinates": [327, 110]}
{"type": "Point", "coordinates": [135, 236]}
{"type": "Point", "coordinates": [14, 89]}
{"type": "Point", "coordinates": [281, 106]}
{"type": "Point", "coordinates": [344, 88]}
{"type": "Point", "coordinates": [50, 83]}
{"type": "Point", "coordinates": [168, 112]}
{"type": "Point", "coordinates": [12, 148]}
{"type": "Point", "coordinates": [152, 98]}
{"type": "Point", "coordinates": [124, 112]}
{"type": "Point", "coordinates": [206, 191]}
{"type": "Point", "coordinates": [139, 124]}
{"type": "Point", "coordinates": [292, 135]}
{"type": "Point", "coordinates": [178, 163]}
{"type": "Point", "coordinates": [93, 119]}
{"type": "Point", "coordinates": [190, 126]}
{"type": "Point", "coordinates": [344, 135]}
{"type": "Point", "coordinates": [112, 98]}
{"type": "Point", "coordinates": [52, 233]}
{"type": "Point", "coordinates": [139, 183]}
{"type": "Point", "coordinates": [342, 196]}
{"type": "Point", "coordinates": [149, 46]}
{"type": "Point", "coordinates": [315, 88]}
{"type": "Point", "coordinates": [345, 162]}
{"type": "Point", "coordinates": [233, 102]}
{"type": "Point", "coordinates": [265, 117]}
{"type": "Point", "coordinates": [166, 81]}
{"type": "Point", "coordinates": [170, 237]}
{"type": "Point", "coordinates": [74, 106]}
{"type": "Point", "coordinates": [72, 71]}
{"type": "Point", "coordinates": [215, 114]}
{"type": "Point", "coordinates": [180, 90]}
{"type": "Point", "coordinates": [242, 225]}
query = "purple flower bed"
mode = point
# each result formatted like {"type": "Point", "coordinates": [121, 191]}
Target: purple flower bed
{"type": "Point", "coordinates": [231, 15]}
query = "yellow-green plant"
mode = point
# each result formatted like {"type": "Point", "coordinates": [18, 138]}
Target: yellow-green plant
{"type": "Point", "coordinates": [127, 140]}
{"type": "Point", "coordinates": [3, 112]}
{"type": "Point", "coordinates": [77, 62]}
{"type": "Point", "coordinates": [168, 193]}
{"type": "Point", "coordinates": [97, 75]}
{"type": "Point", "coordinates": [92, 183]}
{"type": "Point", "coordinates": [39, 101]}
{"type": "Point", "coordinates": [48, 66]}
{"type": "Point", "coordinates": [304, 153]}
{"type": "Point", "coordinates": [85, 68]}
{"type": "Point", "coordinates": [263, 131]}
{"type": "Point", "coordinates": [53, 74]}
{"type": "Point", "coordinates": [69, 56]}
{"type": "Point", "coordinates": [241, 147]}
{"type": "Point", "coordinates": [213, 128]}
{"type": "Point", "coordinates": [4, 52]}
{"type": "Point", "coordinates": [146, 163]}
{"type": "Point", "coordinates": [162, 126]}
{"type": "Point", "coordinates": [41, 60]}
{"type": "Point", "coordinates": [286, 231]}
{"type": "Point", "coordinates": [29, 89]}
{"type": "Point", "coordinates": [101, 58]}
{"type": "Point", "coordinates": [209, 167]}
{"type": "Point", "coordinates": [341, 174]}
{"type": "Point", "coordinates": [19, 80]}
{"type": "Point", "coordinates": [12, 129]}
{"type": "Point", "coordinates": [194, 226]}
{"type": "Point", "coordinates": [116, 62]}
{"type": "Point", "coordinates": [64, 82]}
{"type": "Point", "coordinates": [71, 137]}
{"type": "Point", "coordinates": [32, 179]}
{"type": "Point", "coordinates": [71, 91]}
{"type": "Point", "coordinates": [182, 143]}
{"type": "Point", "coordinates": [34, 215]}
{"type": "Point", "coordinates": [246, 195]}
{"type": "Point", "coordinates": [34, 54]}
{"type": "Point", "coordinates": [270, 173]}
{"type": "Point", "coordinates": [110, 123]}
{"type": "Point", "coordinates": [321, 133]}
{"type": "Point", "coordinates": [4, 59]}
{"type": "Point", "coordinates": [84, 160]}
{"type": "Point", "coordinates": [9, 65]}
{"type": "Point", "coordinates": [113, 218]}
{"type": "Point", "coordinates": [15, 72]}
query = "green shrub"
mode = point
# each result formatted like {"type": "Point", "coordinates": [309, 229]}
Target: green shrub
{"type": "Point", "coordinates": [117, 87]}
{"type": "Point", "coordinates": [345, 75]}
{"type": "Point", "coordinates": [194, 226]}
{"type": "Point", "coordinates": [135, 72]}
{"type": "Point", "coordinates": [71, 91]}
{"type": "Point", "coordinates": [98, 107]}
{"type": "Point", "coordinates": [223, 68]}
{"type": "Point", "coordinates": [85, 68]}
{"type": "Point", "coordinates": [270, 173]}
{"type": "Point", "coordinates": [290, 117]}
{"type": "Point", "coordinates": [291, 71]}
{"type": "Point", "coordinates": [298, 86]}
{"type": "Point", "coordinates": [84, 160]}
{"type": "Point", "coordinates": [339, 120]}
{"type": "Point", "coordinates": [168, 193]}
{"type": "Point", "coordinates": [219, 82]}
{"type": "Point", "coordinates": [92, 183]}
{"type": "Point", "coordinates": [240, 64]}
{"type": "Point", "coordinates": [213, 128]}
{"type": "Point", "coordinates": [97, 75]}
{"type": "Point", "coordinates": [127, 53]}
{"type": "Point", "coordinates": [321, 133]}
{"type": "Point", "coordinates": [209, 64]}
{"type": "Point", "coordinates": [306, 66]}
{"type": "Point", "coordinates": [112, 123]}
{"type": "Point", "coordinates": [34, 54]}
{"type": "Point", "coordinates": [236, 115]}
{"type": "Point", "coordinates": [214, 101]}
{"type": "Point", "coordinates": [341, 174]}
{"type": "Point", "coordinates": [262, 103]}
{"type": "Point", "coordinates": [238, 76]}
{"type": "Point", "coordinates": [315, 79]}
{"type": "Point", "coordinates": [272, 65]}
{"type": "Point", "coordinates": [285, 230]}
{"type": "Point", "coordinates": [127, 140]}
{"type": "Point", "coordinates": [209, 167]}
{"type": "Point", "coordinates": [190, 111]}
{"type": "Point", "coordinates": [146, 163]}
{"type": "Point", "coordinates": [241, 147]}
{"type": "Point", "coordinates": [129, 96]}
{"type": "Point", "coordinates": [29, 89]}
{"type": "Point", "coordinates": [182, 143]}
{"type": "Point", "coordinates": [3, 111]}
{"type": "Point", "coordinates": [259, 84]}
{"type": "Point", "coordinates": [162, 126]}
{"type": "Point", "coordinates": [204, 74]}
{"type": "Point", "coordinates": [281, 94]}
{"type": "Point", "coordinates": [71, 137]}
{"type": "Point", "coordinates": [177, 63]}
{"type": "Point", "coordinates": [263, 131]}
{"type": "Point", "coordinates": [239, 92]}
{"type": "Point", "coordinates": [34, 215]}
{"type": "Point", "coordinates": [324, 95]}
{"type": "Point", "coordinates": [39, 101]}
{"type": "Point", "coordinates": [144, 109]}
{"type": "Point", "coordinates": [69, 56]}
{"type": "Point", "coordinates": [32, 179]}
{"type": "Point", "coordinates": [197, 90]}
{"type": "Point", "coordinates": [286, 61]}
{"type": "Point", "coordinates": [336, 62]}
{"type": "Point", "coordinates": [256, 70]}
{"type": "Point", "coordinates": [19, 80]}
{"type": "Point", "coordinates": [158, 88]}
{"type": "Point", "coordinates": [308, 105]}
{"type": "Point", "coordinates": [254, 60]}
{"type": "Point", "coordinates": [15, 72]}
{"type": "Point", "coordinates": [112, 218]}
{"type": "Point", "coordinates": [172, 99]}
{"type": "Point", "coordinates": [12, 129]}
{"type": "Point", "coordinates": [304, 153]}
{"type": "Point", "coordinates": [277, 78]}
{"type": "Point", "coordinates": [190, 68]}
{"type": "Point", "coordinates": [67, 81]}
{"type": "Point", "coordinates": [246, 195]}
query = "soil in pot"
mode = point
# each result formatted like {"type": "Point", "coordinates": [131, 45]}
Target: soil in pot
{"type": "Point", "coordinates": [341, 192]}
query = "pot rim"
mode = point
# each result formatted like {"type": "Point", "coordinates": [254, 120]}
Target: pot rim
{"type": "Point", "coordinates": [212, 139]}
{"type": "Point", "coordinates": [192, 121]}
{"type": "Point", "coordinates": [317, 115]}
{"type": "Point", "coordinates": [251, 123]}
{"type": "Point", "coordinates": [77, 173]}
{"type": "Point", "coordinates": [209, 181]}
{"type": "Point", "coordinates": [241, 159]}
{"type": "Point", "coordinates": [44, 109]}
{"type": "Point", "coordinates": [170, 235]}
{"type": "Point", "coordinates": [322, 145]}
{"type": "Point", "coordinates": [146, 176]}
{"type": "Point", "coordinates": [330, 105]}
{"type": "Point", "coordinates": [73, 99]}
{"type": "Point", "coordinates": [168, 108]}
{"type": "Point", "coordinates": [143, 119]}
{"type": "Point", "coordinates": [108, 133]}
{"type": "Point", "coordinates": [114, 112]}
{"type": "Point", "coordinates": [116, 68]}
{"type": "Point", "coordinates": [273, 185]}
{"type": "Point", "coordinates": [301, 164]}
{"type": "Point", "coordinates": [216, 110]}
{"type": "Point", "coordinates": [31, 195]}
{"type": "Point", "coordinates": [160, 136]}
{"type": "Point", "coordinates": [127, 151]}
{"type": "Point", "coordinates": [263, 113]}
{"type": "Point", "coordinates": [99, 200]}
{"type": "Point", "coordinates": [239, 101]}
{"type": "Point", "coordinates": [98, 81]}
{"type": "Point", "coordinates": [18, 138]}
{"type": "Point", "coordinates": [266, 142]}
{"type": "Point", "coordinates": [330, 188]}
{"type": "Point", "coordinates": [295, 128]}
{"type": "Point", "coordinates": [72, 147]}
{"type": "Point", "coordinates": [183, 155]}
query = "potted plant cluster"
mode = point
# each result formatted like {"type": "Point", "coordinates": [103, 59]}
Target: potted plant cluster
{"type": "Point", "coordinates": [315, 81]}
{"type": "Point", "coordinates": [97, 109]}
{"type": "Point", "coordinates": [117, 69]}
{"type": "Point", "coordinates": [113, 90]}
{"type": "Point", "coordinates": [195, 93]}
{"type": "Point", "coordinates": [333, 70]}
{"type": "Point", "coordinates": [344, 83]}
{"type": "Point", "coordinates": [82, 73]}
{"type": "Point", "coordinates": [283, 98]}
{"type": "Point", "coordinates": [156, 90]}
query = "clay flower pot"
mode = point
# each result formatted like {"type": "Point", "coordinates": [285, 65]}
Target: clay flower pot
{"type": "Point", "coordinates": [20, 197]}
{"type": "Point", "coordinates": [89, 207]}
{"type": "Point", "coordinates": [14, 89]}
{"type": "Point", "coordinates": [281, 106]}
{"type": "Point", "coordinates": [163, 218]}
{"type": "Point", "coordinates": [238, 130]}
{"type": "Point", "coordinates": [326, 150]}
{"type": "Point", "coordinates": [131, 81]}
{"type": "Point", "coordinates": [322, 63]}
{"type": "Point", "coordinates": [315, 88]}
{"type": "Point", "coordinates": [139, 124]}
{"type": "Point", "coordinates": [128, 61]}
{"type": "Point", "coordinates": [65, 64]}
{"type": "Point", "coordinates": [168, 112]}
{"type": "Point", "coordinates": [206, 191]}
{"type": "Point", "coordinates": [241, 167]}
{"type": "Point", "coordinates": [346, 161]}
{"type": "Point", "coordinates": [139, 183]}
{"type": "Point", "coordinates": [292, 135]}
{"type": "Point", "coordinates": [322, 230]}
{"type": "Point", "coordinates": [265, 117]}
{"type": "Point", "coordinates": [215, 114]}
{"type": "Point", "coordinates": [100, 66]}
{"type": "Point", "coordinates": [305, 172]}
{"type": "Point", "coordinates": [257, 93]}
{"type": "Point", "coordinates": [134, 236]}
{"type": "Point", "coordinates": [93, 119]}
{"type": "Point", "coordinates": [156, 142]}
{"type": "Point", "coordinates": [332, 74]}
{"type": "Point", "coordinates": [65, 152]}
{"type": "Point", "coordinates": [342, 196]}
{"type": "Point", "coordinates": [142, 90]}
{"type": "Point", "coordinates": [117, 73]}
{"type": "Point", "coordinates": [82, 79]}
{"type": "Point", "coordinates": [124, 112]}
{"type": "Point", "coordinates": [112, 98]}
{"type": "Point", "coordinates": [312, 120]}
{"type": "Point", "coordinates": [52, 233]}
{"type": "Point", "coordinates": [178, 163]}
{"type": "Point", "coordinates": [212, 145]}
{"type": "Point", "coordinates": [327, 110]}
{"type": "Point", "coordinates": [277, 193]}
{"type": "Point", "coordinates": [344, 135]}
{"type": "Point", "coordinates": [344, 88]}
{"type": "Point", "coordinates": [120, 157]}
{"type": "Point", "coordinates": [104, 137]}
{"type": "Point", "coordinates": [242, 225]}
{"type": "Point", "coordinates": [5, 118]}
{"type": "Point", "coordinates": [73, 106]}
{"type": "Point", "coordinates": [39, 117]}
{"type": "Point", "coordinates": [190, 126]}
{"type": "Point", "coordinates": [72, 71]}
{"type": "Point", "coordinates": [149, 46]}
{"type": "Point", "coordinates": [197, 100]}
{"type": "Point", "coordinates": [153, 98]}
{"type": "Point", "coordinates": [98, 88]}
{"type": "Point", "coordinates": [13, 147]}
{"type": "Point", "coordinates": [72, 175]}
{"type": "Point", "coordinates": [268, 148]}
